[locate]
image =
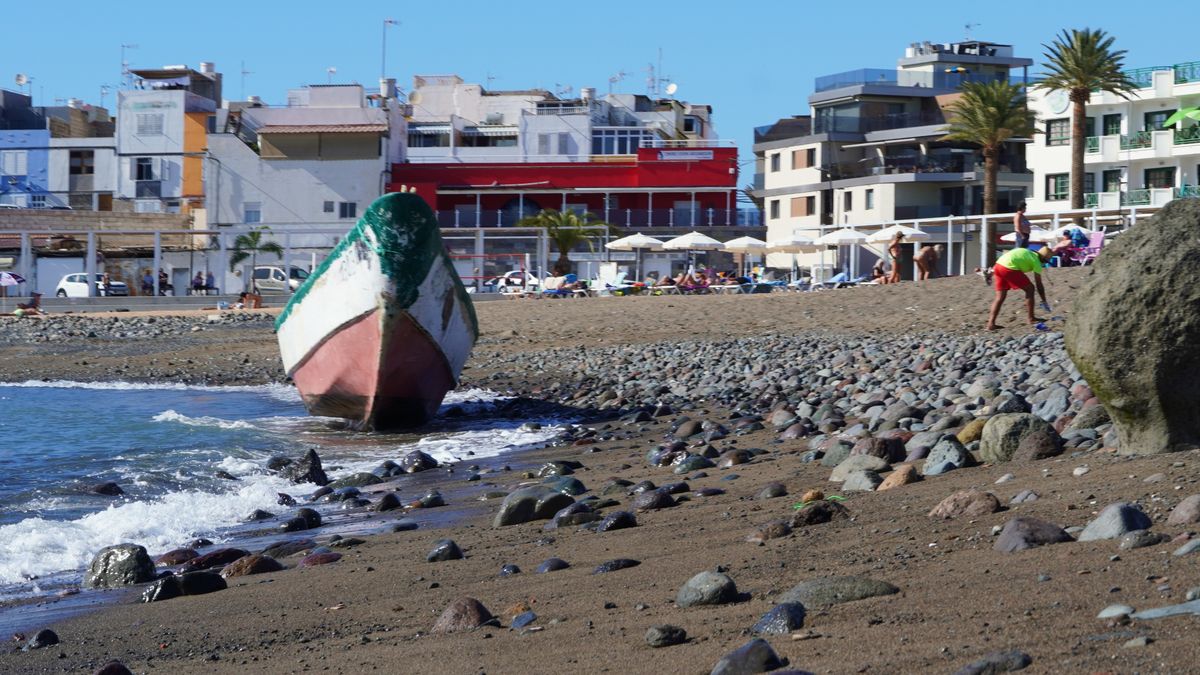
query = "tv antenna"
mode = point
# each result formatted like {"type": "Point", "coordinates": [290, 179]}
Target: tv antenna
{"type": "Point", "coordinates": [244, 74]}
{"type": "Point", "coordinates": [969, 27]}
{"type": "Point", "coordinates": [654, 77]}
{"type": "Point", "coordinates": [490, 78]}
{"type": "Point", "coordinates": [561, 90]}
{"type": "Point", "coordinates": [125, 77]}
{"type": "Point", "coordinates": [330, 72]}
{"type": "Point", "coordinates": [104, 88]}
{"type": "Point", "coordinates": [615, 79]}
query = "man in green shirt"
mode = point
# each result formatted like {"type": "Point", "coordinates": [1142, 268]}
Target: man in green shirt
{"type": "Point", "coordinates": [1009, 275]}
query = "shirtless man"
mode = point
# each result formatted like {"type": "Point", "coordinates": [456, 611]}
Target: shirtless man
{"type": "Point", "coordinates": [1009, 274]}
{"type": "Point", "coordinates": [1022, 226]}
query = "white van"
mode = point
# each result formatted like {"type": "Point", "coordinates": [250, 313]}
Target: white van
{"type": "Point", "coordinates": [271, 279]}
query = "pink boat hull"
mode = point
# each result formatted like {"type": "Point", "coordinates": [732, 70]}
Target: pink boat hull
{"type": "Point", "coordinates": [375, 369]}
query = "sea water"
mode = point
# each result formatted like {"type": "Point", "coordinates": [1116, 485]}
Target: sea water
{"type": "Point", "coordinates": [164, 446]}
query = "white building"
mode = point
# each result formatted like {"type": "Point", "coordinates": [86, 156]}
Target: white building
{"type": "Point", "coordinates": [322, 159]}
{"type": "Point", "coordinates": [455, 121]}
{"type": "Point", "coordinates": [1131, 158]}
{"type": "Point", "coordinates": [875, 153]}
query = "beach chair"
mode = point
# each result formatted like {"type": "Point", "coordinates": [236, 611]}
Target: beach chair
{"type": "Point", "coordinates": [553, 287]}
{"type": "Point", "coordinates": [1087, 254]}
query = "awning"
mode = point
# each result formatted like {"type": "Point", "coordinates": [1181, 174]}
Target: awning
{"type": "Point", "coordinates": [431, 130]}
{"type": "Point", "coordinates": [873, 144]}
{"type": "Point", "coordinates": [490, 131]}
{"type": "Point", "coordinates": [323, 129]}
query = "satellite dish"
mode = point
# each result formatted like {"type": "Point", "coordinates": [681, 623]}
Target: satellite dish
{"type": "Point", "coordinates": [672, 88]}
{"type": "Point", "coordinates": [22, 78]}
{"type": "Point", "coordinates": [414, 98]}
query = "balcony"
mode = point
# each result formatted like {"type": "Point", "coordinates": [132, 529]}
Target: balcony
{"type": "Point", "coordinates": [1187, 136]}
{"type": "Point", "coordinates": [1136, 197]}
{"type": "Point", "coordinates": [1187, 192]}
{"type": "Point", "coordinates": [622, 218]}
{"type": "Point", "coordinates": [1091, 200]}
{"type": "Point", "coordinates": [148, 189]}
{"type": "Point", "coordinates": [1137, 141]}
{"type": "Point", "coordinates": [1187, 72]}
{"type": "Point", "coordinates": [862, 125]}
{"type": "Point", "coordinates": [1093, 144]}
{"type": "Point", "coordinates": [1143, 78]}
{"type": "Point", "coordinates": [900, 78]}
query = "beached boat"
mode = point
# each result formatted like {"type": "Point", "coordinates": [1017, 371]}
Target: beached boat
{"type": "Point", "coordinates": [381, 329]}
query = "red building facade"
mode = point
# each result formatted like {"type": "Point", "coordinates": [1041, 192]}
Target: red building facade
{"type": "Point", "coordinates": [659, 187]}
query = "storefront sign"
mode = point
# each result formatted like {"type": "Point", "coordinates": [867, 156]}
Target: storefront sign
{"type": "Point", "coordinates": [685, 155]}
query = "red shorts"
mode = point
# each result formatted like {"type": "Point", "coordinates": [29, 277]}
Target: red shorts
{"type": "Point", "coordinates": [1010, 280]}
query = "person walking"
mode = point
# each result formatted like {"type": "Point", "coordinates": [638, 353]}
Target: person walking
{"type": "Point", "coordinates": [1022, 226]}
{"type": "Point", "coordinates": [1009, 275]}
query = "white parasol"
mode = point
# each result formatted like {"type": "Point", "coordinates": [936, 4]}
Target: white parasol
{"type": "Point", "coordinates": [636, 243]}
{"type": "Point", "coordinates": [693, 241]}
{"type": "Point", "coordinates": [911, 234]}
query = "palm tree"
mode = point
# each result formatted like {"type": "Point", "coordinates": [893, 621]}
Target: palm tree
{"type": "Point", "coordinates": [249, 245]}
{"type": "Point", "coordinates": [988, 114]}
{"type": "Point", "coordinates": [568, 229]}
{"type": "Point", "coordinates": [1080, 62]}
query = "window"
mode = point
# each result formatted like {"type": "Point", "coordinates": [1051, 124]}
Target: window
{"type": "Point", "coordinates": [775, 207]}
{"type": "Point", "coordinates": [252, 212]}
{"type": "Point", "coordinates": [211, 124]}
{"type": "Point", "coordinates": [775, 162]}
{"type": "Point", "coordinates": [810, 157]}
{"type": "Point", "coordinates": [799, 207]}
{"type": "Point", "coordinates": [564, 144]}
{"type": "Point", "coordinates": [1058, 132]}
{"type": "Point", "coordinates": [1163, 177]}
{"type": "Point", "coordinates": [348, 210]}
{"type": "Point", "coordinates": [1058, 186]}
{"type": "Point", "coordinates": [37, 201]}
{"type": "Point", "coordinates": [1112, 180]}
{"type": "Point", "coordinates": [149, 124]}
{"type": "Point", "coordinates": [612, 141]}
{"type": "Point", "coordinates": [690, 125]}
{"type": "Point", "coordinates": [83, 162]}
{"type": "Point", "coordinates": [418, 139]}
{"type": "Point", "coordinates": [14, 162]}
{"type": "Point", "coordinates": [143, 168]}
{"type": "Point", "coordinates": [328, 208]}
{"type": "Point", "coordinates": [870, 200]}
{"type": "Point", "coordinates": [847, 201]}
{"type": "Point", "coordinates": [1112, 125]}
{"type": "Point", "coordinates": [1089, 183]}
{"type": "Point", "coordinates": [1154, 120]}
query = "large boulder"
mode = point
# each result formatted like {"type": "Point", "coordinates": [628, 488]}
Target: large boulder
{"type": "Point", "coordinates": [1134, 333]}
{"type": "Point", "coordinates": [307, 470]}
{"type": "Point", "coordinates": [1002, 434]}
{"type": "Point", "coordinates": [120, 565]}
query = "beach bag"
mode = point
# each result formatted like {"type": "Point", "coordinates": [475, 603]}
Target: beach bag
{"type": "Point", "coordinates": [1079, 239]}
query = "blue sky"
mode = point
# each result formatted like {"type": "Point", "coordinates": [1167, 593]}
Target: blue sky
{"type": "Point", "coordinates": [754, 62]}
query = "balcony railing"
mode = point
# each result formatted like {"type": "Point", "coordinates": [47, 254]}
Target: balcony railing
{"type": "Point", "coordinates": [1187, 72]}
{"type": "Point", "coordinates": [1093, 144]}
{"type": "Point", "coordinates": [1135, 197]}
{"type": "Point", "coordinates": [622, 218]}
{"type": "Point", "coordinates": [860, 125]}
{"type": "Point", "coordinates": [1091, 200]}
{"type": "Point", "coordinates": [902, 78]}
{"type": "Point", "coordinates": [1188, 135]}
{"type": "Point", "coordinates": [688, 143]}
{"type": "Point", "coordinates": [1144, 77]}
{"type": "Point", "coordinates": [1187, 192]}
{"type": "Point", "coordinates": [1135, 141]}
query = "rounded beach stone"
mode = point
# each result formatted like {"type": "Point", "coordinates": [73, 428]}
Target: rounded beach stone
{"type": "Point", "coordinates": [251, 564]}
{"type": "Point", "coordinates": [972, 431]}
{"type": "Point", "coordinates": [119, 565]}
{"type": "Point", "coordinates": [861, 481]}
{"type": "Point", "coordinates": [614, 565]}
{"type": "Point", "coordinates": [537, 502]}
{"type": "Point", "coordinates": [1002, 434]}
{"type": "Point", "coordinates": [1114, 521]}
{"type": "Point", "coordinates": [113, 668]}
{"type": "Point", "coordinates": [317, 559]}
{"type": "Point", "coordinates": [819, 512]}
{"type": "Point", "coordinates": [854, 463]}
{"type": "Point", "coordinates": [552, 565]}
{"type": "Point", "coordinates": [707, 588]}
{"type": "Point", "coordinates": [828, 591]}
{"type": "Point", "coordinates": [653, 500]}
{"type": "Point", "coordinates": [665, 635]}
{"type": "Point", "coordinates": [768, 531]}
{"type": "Point", "coordinates": [966, 504]}
{"type": "Point", "coordinates": [903, 475]}
{"type": "Point", "coordinates": [416, 461]}
{"type": "Point", "coordinates": [780, 620]}
{"type": "Point", "coordinates": [201, 583]}
{"type": "Point", "coordinates": [463, 614]}
{"type": "Point", "coordinates": [217, 558]}
{"type": "Point", "coordinates": [1128, 339]}
{"type": "Point", "coordinates": [43, 638]}
{"type": "Point", "coordinates": [755, 656]}
{"type": "Point", "coordinates": [444, 549]}
{"type": "Point", "coordinates": [165, 588]}
{"type": "Point", "coordinates": [1022, 533]}
{"type": "Point", "coordinates": [771, 491]}
{"type": "Point", "coordinates": [1186, 512]}
{"type": "Point", "coordinates": [618, 520]}
{"type": "Point", "coordinates": [176, 556]}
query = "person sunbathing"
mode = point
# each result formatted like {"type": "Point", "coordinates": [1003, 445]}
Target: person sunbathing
{"type": "Point", "coordinates": [879, 272]}
{"type": "Point", "coordinates": [31, 308]}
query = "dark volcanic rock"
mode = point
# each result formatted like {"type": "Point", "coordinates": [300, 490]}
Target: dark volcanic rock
{"type": "Point", "coordinates": [310, 516]}
{"type": "Point", "coordinates": [306, 470]}
{"type": "Point", "coordinates": [614, 565]}
{"type": "Point", "coordinates": [1129, 337]}
{"type": "Point", "coordinates": [43, 638]}
{"type": "Point", "coordinates": [818, 512]}
{"type": "Point", "coordinates": [552, 565]}
{"type": "Point", "coordinates": [176, 556]}
{"type": "Point", "coordinates": [1023, 532]}
{"type": "Point", "coordinates": [218, 558]}
{"type": "Point", "coordinates": [199, 583]}
{"type": "Point", "coordinates": [251, 564]}
{"type": "Point", "coordinates": [995, 663]}
{"type": "Point", "coordinates": [113, 668]}
{"type": "Point", "coordinates": [417, 461]}
{"type": "Point", "coordinates": [755, 656]}
{"type": "Point", "coordinates": [665, 635]}
{"type": "Point", "coordinates": [618, 520]}
{"type": "Point", "coordinates": [165, 588]}
{"type": "Point", "coordinates": [317, 559]}
{"type": "Point", "coordinates": [388, 502]}
{"type": "Point", "coordinates": [445, 549]}
{"type": "Point", "coordinates": [781, 620]}
{"type": "Point", "coordinates": [361, 479]}
{"type": "Point", "coordinates": [109, 489]}
{"type": "Point", "coordinates": [119, 565]}
{"type": "Point", "coordinates": [653, 500]}
{"type": "Point", "coordinates": [283, 549]}
{"type": "Point", "coordinates": [532, 503]}
{"type": "Point", "coordinates": [463, 614]}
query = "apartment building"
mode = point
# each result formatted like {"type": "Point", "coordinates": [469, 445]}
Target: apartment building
{"type": "Point", "coordinates": [1133, 158]}
{"type": "Point", "coordinates": [875, 151]}
{"type": "Point", "coordinates": [489, 158]}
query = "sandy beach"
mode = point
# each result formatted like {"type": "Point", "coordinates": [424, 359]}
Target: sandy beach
{"type": "Point", "coordinates": [958, 599]}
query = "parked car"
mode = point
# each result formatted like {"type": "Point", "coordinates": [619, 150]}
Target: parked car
{"type": "Point", "coordinates": [271, 279]}
{"type": "Point", "coordinates": [511, 282]}
{"type": "Point", "coordinates": [75, 286]}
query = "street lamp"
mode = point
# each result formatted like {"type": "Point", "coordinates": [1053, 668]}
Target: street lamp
{"type": "Point", "coordinates": [383, 51]}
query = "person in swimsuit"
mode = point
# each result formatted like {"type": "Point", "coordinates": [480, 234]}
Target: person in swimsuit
{"type": "Point", "coordinates": [1009, 275]}
{"type": "Point", "coordinates": [1022, 226]}
{"type": "Point", "coordinates": [894, 254]}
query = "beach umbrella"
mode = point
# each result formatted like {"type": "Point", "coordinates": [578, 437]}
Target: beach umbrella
{"type": "Point", "coordinates": [1036, 234]}
{"type": "Point", "coordinates": [745, 246]}
{"type": "Point", "coordinates": [911, 234]}
{"type": "Point", "coordinates": [693, 241]}
{"type": "Point", "coordinates": [636, 243]}
{"type": "Point", "coordinates": [11, 279]}
{"type": "Point", "coordinates": [797, 243]}
{"type": "Point", "coordinates": [1182, 114]}
{"type": "Point", "coordinates": [843, 237]}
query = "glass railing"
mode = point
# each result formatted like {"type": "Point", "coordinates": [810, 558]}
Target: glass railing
{"type": "Point", "coordinates": [1135, 198]}
{"type": "Point", "coordinates": [904, 78]}
{"type": "Point", "coordinates": [1187, 72]}
{"type": "Point", "coordinates": [1187, 192]}
{"type": "Point", "coordinates": [1144, 77]}
{"type": "Point", "coordinates": [1188, 135]}
{"type": "Point", "coordinates": [1091, 200]}
{"type": "Point", "coordinates": [1141, 139]}
{"type": "Point", "coordinates": [1093, 144]}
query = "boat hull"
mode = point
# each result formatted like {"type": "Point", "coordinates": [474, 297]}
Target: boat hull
{"type": "Point", "coordinates": [380, 332]}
